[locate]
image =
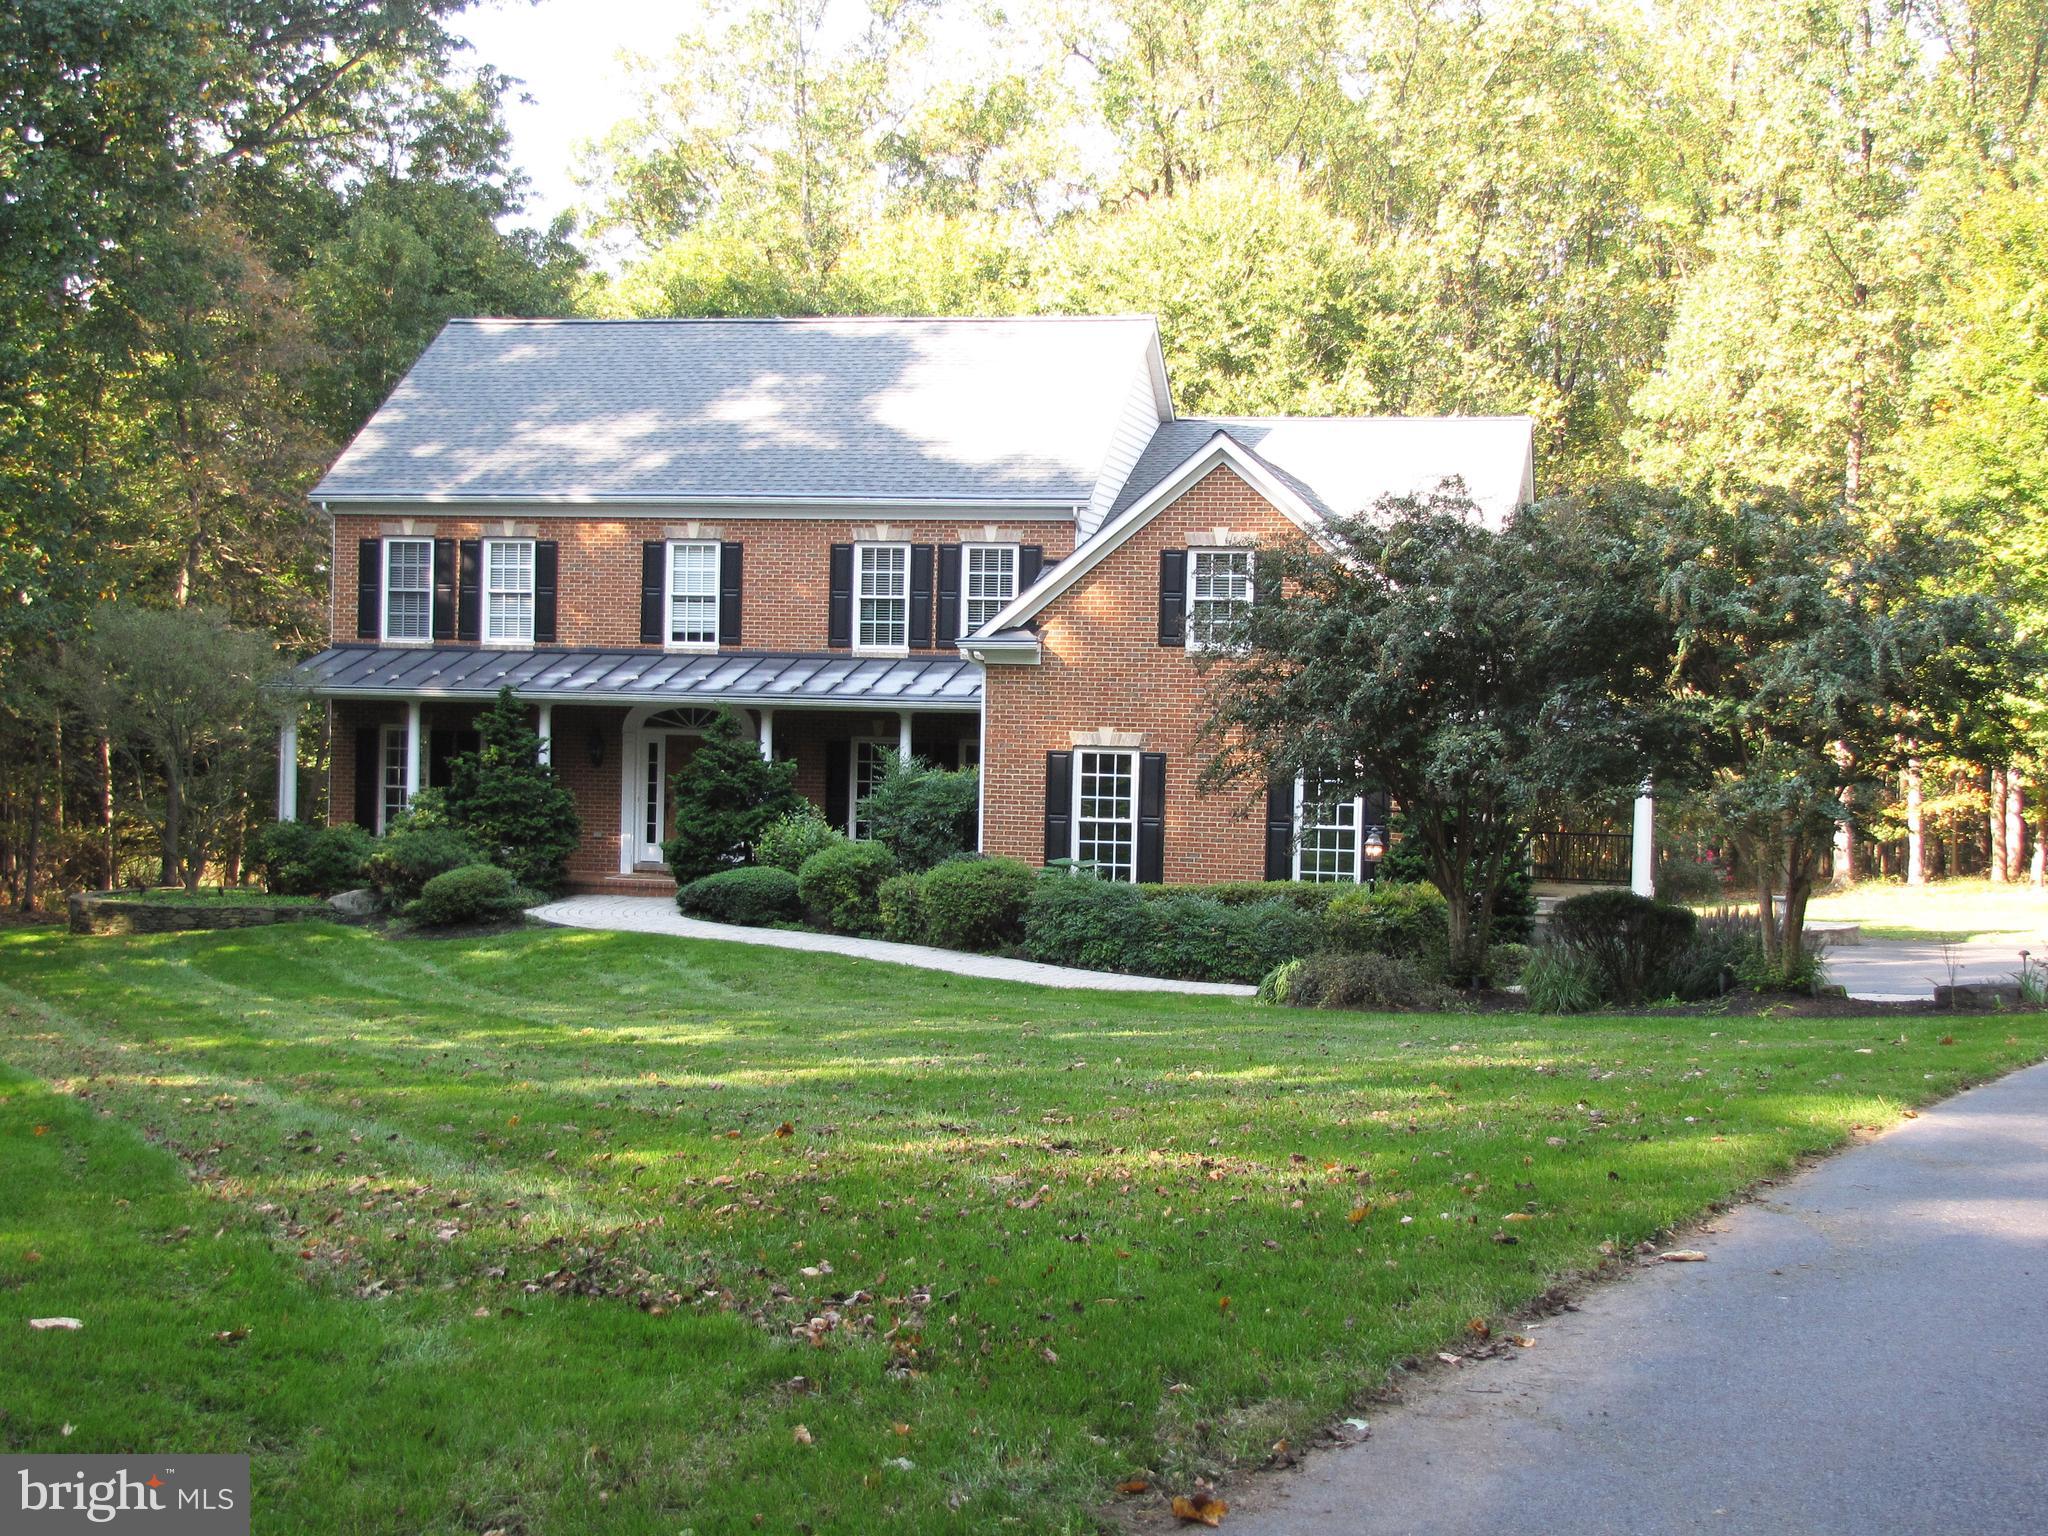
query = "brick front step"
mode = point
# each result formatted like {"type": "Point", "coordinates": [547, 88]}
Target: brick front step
{"type": "Point", "coordinates": [649, 884]}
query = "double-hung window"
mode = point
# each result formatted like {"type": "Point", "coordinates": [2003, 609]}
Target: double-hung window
{"type": "Point", "coordinates": [1106, 813]}
{"type": "Point", "coordinates": [1331, 823]}
{"type": "Point", "coordinates": [408, 589]}
{"type": "Point", "coordinates": [989, 579]}
{"type": "Point", "coordinates": [508, 591]}
{"type": "Point", "coordinates": [881, 576]}
{"type": "Point", "coordinates": [693, 594]}
{"type": "Point", "coordinates": [1219, 593]}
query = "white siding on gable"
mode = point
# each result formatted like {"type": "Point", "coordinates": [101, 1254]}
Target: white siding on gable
{"type": "Point", "coordinates": [1139, 419]}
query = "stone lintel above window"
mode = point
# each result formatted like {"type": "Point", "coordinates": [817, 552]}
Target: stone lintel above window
{"type": "Point", "coordinates": [1115, 741]}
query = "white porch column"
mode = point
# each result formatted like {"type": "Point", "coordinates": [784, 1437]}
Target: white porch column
{"type": "Point", "coordinates": [412, 750]}
{"type": "Point", "coordinates": [547, 733]}
{"type": "Point", "coordinates": [903, 733]}
{"type": "Point", "coordinates": [768, 735]}
{"type": "Point", "coordinates": [1643, 863]}
{"type": "Point", "coordinates": [288, 769]}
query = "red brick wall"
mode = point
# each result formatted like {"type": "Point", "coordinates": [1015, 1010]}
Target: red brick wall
{"type": "Point", "coordinates": [784, 586]}
{"type": "Point", "coordinates": [1102, 668]}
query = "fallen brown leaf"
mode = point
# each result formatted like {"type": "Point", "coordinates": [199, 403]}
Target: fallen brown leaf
{"type": "Point", "coordinates": [1132, 1485]}
{"type": "Point", "coordinates": [1683, 1256]}
{"type": "Point", "coordinates": [801, 1435]}
{"type": "Point", "coordinates": [1200, 1509]}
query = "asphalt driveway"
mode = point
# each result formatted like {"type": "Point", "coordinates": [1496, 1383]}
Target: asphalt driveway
{"type": "Point", "coordinates": [1902, 968]}
{"type": "Point", "coordinates": [1864, 1351]}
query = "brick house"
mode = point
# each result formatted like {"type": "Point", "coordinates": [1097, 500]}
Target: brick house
{"type": "Point", "coordinates": [988, 542]}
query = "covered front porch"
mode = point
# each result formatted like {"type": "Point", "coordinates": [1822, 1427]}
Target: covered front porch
{"type": "Point", "coordinates": [618, 725]}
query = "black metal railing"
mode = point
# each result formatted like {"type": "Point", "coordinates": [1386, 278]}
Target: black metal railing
{"type": "Point", "coordinates": [1582, 858]}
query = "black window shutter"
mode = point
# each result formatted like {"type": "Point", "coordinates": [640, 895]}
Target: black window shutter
{"type": "Point", "coordinates": [469, 590]}
{"type": "Point", "coordinates": [839, 785]}
{"type": "Point", "coordinates": [1151, 817]}
{"type": "Point", "coordinates": [547, 560]}
{"type": "Point", "coordinates": [1173, 597]}
{"type": "Point", "coordinates": [1030, 561]}
{"type": "Point", "coordinates": [1265, 585]}
{"type": "Point", "coordinates": [444, 589]}
{"type": "Point", "coordinates": [653, 592]}
{"type": "Point", "coordinates": [370, 589]}
{"type": "Point", "coordinates": [731, 554]}
{"type": "Point", "coordinates": [369, 775]}
{"type": "Point", "coordinates": [1059, 806]}
{"type": "Point", "coordinates": [1280, 830]}
{"type": "Point", "coordinates": [440, 751]}
{"type": "Point", "coordinates": [921, 597]}
{"type": "Point", "coordinates": [946, 623]}
{"type": "Point", "coordinates": [839, 601]}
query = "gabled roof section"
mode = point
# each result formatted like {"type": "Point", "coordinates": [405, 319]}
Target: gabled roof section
{"type": "Point", "coordinates": [1310, 469]}
{"type": "Point", "coordinates": [1342, 465]}
{"type": "Point", "coordinates": [824, 411]}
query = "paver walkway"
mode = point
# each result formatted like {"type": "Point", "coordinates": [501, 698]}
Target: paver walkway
{"type": "Point", "coordinates": [1865, 1351]}
{"type": "Point", "coordinates": [658, 914]}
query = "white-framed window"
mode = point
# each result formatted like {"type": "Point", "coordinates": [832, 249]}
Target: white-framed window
{"type": "Point", "coordinates": [881, 597]}
{"type": "Point", "coordinates": [693, 594]}
{"type": "Point", "coordinates": [391, 778]}
{"type": "Point", "coordinates": [1219, 591]}
{"type": "Point", "coordinates": [408, 589]}
{"type": "Point", "coordinates": [508, 591]}
{"type": "Point", "coordinates": [1331, 825]}
{"type": "Point", "coordinates": [1106, 813]}
{"type": "Point", "coordinates": [988, 581]}
{"type": "Point", "coordinates": [870, 758]}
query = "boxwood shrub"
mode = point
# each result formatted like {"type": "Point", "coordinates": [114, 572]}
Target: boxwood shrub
{"type": "Point", "coordinates": [841, 887]}
{"type": "Point", "coordinates": [975, 903]}
{"type": "Point", "coordinates": [1307, 895]}
{"type": "Point", "coordinates": [756, 896]}
{"type": "Point", "coordinates": [301, 858]}
{"type": "Point", "coordinates": [1626, 938]}
{"type": "Point", "coordinates": [475, 893]}
{"type": "Point", "coordinates": [1197, 938]}
{"type": "Point", "coordinates": [900, 903]}
{"type": "Point", "coordinates": [406, 858]}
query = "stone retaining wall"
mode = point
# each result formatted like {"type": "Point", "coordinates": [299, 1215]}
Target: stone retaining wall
{"type": "Point", "coordinates": [109, 912]}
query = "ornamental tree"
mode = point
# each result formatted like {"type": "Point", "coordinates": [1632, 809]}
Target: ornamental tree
{"type": "Point", "coordinates": [512, 802]}
{"type": "Point", "coordinates": [725, 797]}
{"type": "Point", "coordinates": [1816, 654]}
{"type": "Point", "coordinates": [1489, 679]}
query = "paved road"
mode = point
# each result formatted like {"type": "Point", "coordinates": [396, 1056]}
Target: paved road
{"type": "Point", "coordinates": [1912, 968]}
{"type": "Point", "coordinates": [1866, 1351]}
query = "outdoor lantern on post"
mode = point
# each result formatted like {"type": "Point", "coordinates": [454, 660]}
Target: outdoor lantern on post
{"type": "Point", "coordinates": [1374, 847]}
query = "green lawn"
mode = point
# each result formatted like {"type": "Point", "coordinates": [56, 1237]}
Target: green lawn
{"type": "Point", "coordinates": [535, 1234]}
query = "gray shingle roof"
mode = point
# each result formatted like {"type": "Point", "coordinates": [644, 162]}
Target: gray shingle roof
{"type": "Point", "coordinates": [1343, 464]}
{"type": "Point", "coordinates": [941, 681]}
{"type": "Point", "coordinates": [945, 410]}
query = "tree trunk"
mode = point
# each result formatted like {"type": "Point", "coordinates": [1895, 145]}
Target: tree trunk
{"type": "Point", "coordinates": [32, 851]}
{"type": "Point", "coordinates": [174, 817]}
{"type": "Point", "coordinates": [2040, 868]}
{"type": "Point", "coordinates": [1916, 827]}
{"type": "Point", "coordinates": [1994, 816]}
{"type": "Point", "coordinates": [107, 811]}
{"type": "Point", "coordinates": [2015, 824]}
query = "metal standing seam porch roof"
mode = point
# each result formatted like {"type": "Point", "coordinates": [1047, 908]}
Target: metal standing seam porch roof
{"type": "Point", "coordinates": [556, 675]}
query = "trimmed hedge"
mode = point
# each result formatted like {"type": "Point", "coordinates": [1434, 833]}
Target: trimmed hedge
{"type": "Point", "coordinates": [1197, 938]}
{"type": "Point", "coordinates": [1079, 920]}
{"type": "Point", "coordinates": [1306, 895]}
{"type": "Point", "coordinates": [1410, 921]}
{"type": "Point", "coordinates": [300, 858]}
{"type": "Point", "coordinates": [794, 836]}
{"type": "Point", "coordinates": [404, 860]}
{"type": "Point", "coordinates": [841, 887]}
{"type": "Point", "coordinates": [475, 893]}
{"type": "Point", "coordinates": [975, 903]}
{"type": "Point", "coordinates": [755, 896]}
